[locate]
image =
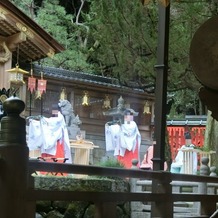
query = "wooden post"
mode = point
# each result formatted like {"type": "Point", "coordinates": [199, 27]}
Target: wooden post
{"type": "Point", "coordinates": [162, 208]}
{"type": "Point", "coordinates": [105, 209]}
{"type": "Point", "coordinates": [135, 206]}
{"type": "Point", "coordinates": [205, 207]}
{"type": "Point", "coordinates": [14, 160]}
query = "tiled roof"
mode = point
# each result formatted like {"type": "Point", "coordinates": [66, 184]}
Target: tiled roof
{"type": "Point", "coordinates": [189, 121]}
{"type": "Point", "coordinates": [57, 73]}
{"type": "Point", "coordinates": [34, 42]}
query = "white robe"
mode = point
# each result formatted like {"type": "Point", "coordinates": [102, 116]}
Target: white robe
{"type": "Point", "coordinates": [44, 134]}
{"type": "Point", "coordinates": [119, 138]}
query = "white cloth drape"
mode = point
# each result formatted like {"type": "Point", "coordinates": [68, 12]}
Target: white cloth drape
{"type": "Point", "coordinates": [43, 134]}
{"type": "Point", "coordinates": [118, 138]}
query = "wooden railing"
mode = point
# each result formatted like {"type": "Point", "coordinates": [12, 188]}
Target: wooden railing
{"type": "Point", "coordinates": [18, 196]}
{"type": "Point", "coordinates": [161, 196]}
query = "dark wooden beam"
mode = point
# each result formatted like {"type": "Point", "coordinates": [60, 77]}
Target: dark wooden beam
{"type": "Point", "coordinates": [161, 87]}
{"type": "Point", "coordinates": [158, 209]}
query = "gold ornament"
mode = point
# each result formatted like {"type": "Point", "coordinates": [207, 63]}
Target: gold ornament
{"type": "Point", "coordinates": [63, 95]}
{"type": "Point", "coordinates": [85, 100]}
{"type": "Point", "coordinates": [106, 102]}
{"type": "Point", "coordinates": [146, 109]}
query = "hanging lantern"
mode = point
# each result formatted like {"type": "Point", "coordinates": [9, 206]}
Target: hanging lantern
{"type": "Point", "coordinates": [31, 82]}
{"type": "Point", "coordinates": [41, 84]}
{"type": "Point", "coordinates": [16, 75]}
{"type": "Point", "coordinates": [106, 102]}
{"type": "Point", "coordinates": [85, 99]}
{"type": "Point", "coordinates": [146, 108]}
{"type": "Point", "coordinates": [63, 95]}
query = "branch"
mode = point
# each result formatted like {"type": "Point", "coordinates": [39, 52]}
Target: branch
{"type": "Point", "coordinates": [82, 24]}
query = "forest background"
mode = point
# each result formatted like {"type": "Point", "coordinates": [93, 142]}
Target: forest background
{"type": "Point", "coordinates": [118, 38]}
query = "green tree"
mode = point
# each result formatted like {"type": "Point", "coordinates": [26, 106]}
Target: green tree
{"type": "Point", "coordinates": [54, 19]}
{"type": "Point", "coordinates": [64, 27]}
{"type": "Point", "coordinates": [119, 39]}
{"type": "Point", "coordinates": [124, 40]}
{"type": "Point", "coordinates": [124, 35]}
{"type": "Point", "coordinates": [27, 6]}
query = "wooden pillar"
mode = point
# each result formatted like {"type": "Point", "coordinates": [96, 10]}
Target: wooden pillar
{"type": "Point", "coordinates": [161, 87]}
{"type": "Point", "coordinates": [14, 160]}
{"type": "Point", "coordinates": [105, 209]}
{"type": "Point", "coordinates": [4, 76]}
{"type": "Point", "coordinates": [162, 208]}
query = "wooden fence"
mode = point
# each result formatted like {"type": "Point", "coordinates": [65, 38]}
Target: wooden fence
{"type": "Point", "coordinates": [24, 198]}
{"type": "Point", "coordinates": [176, 136]}
{"type": "Point", "coordinates": [18, 196]}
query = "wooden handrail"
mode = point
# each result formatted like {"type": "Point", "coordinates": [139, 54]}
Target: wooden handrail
{"type": "Point", "coordinates": [163, 199]}
{"type": "Point", "coordinates": [110, 171]}
{"type": "Point", "coordinates": [46, 195]}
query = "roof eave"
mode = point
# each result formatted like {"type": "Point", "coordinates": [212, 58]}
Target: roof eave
{"type": "Point", "coordinates": [32, 25]}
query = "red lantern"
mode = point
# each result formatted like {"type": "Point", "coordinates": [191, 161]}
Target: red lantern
{"type": "Point", "coordinates": [42, 85]}
{"type": "Point", "coordinates": [31, 84]}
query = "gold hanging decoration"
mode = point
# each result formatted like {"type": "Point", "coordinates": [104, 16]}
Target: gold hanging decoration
{"type": "Point", "coordinates": [16, 74]}
{"type": "Point", "coordinates": [106, 102]}
{"type": "Point", "coordinates": [63, 95]}
{"type": "Point", "coordinates": [85, 99]}
{"type": "Point", "coordinates": [17, 70]}
{"type": "Point", "coordinates": [146, 109]}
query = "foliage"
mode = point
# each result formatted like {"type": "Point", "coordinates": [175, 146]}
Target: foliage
{"type": "Point", "coordinates": [111, 162]}
{"type": "Point", "coordinates": [59, 24]}
{"type": "Point", "coordinates": [126, 39]}
{"type": "Point", "coordinates": [119, 39]}
{"type": "Point", "coordinates": [185, 20]}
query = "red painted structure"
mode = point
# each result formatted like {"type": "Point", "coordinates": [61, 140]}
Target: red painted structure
{"type": "Point", "coordinates": [176, 137]}
{"type": "Point", "coordinates": [176, 133]}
